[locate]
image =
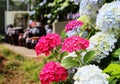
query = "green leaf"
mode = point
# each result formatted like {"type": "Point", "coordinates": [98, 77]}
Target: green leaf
{"type": "Point", "coordinates": [113, 69]}
{"type": "Point", "coordinates": [89, 56]}
{"type": "Point", "coordinates": [113, 82]}
{"type": "Point", "coordinates": [116, 54]}
{"type": "Point", "coordinates": [111, 78]}
{"type": "Point", "coordinates": [63, 54]}
{"type": "Point", "coordinates": [53, 55]}
{"type": "Point", "coordinates": [69, 62]}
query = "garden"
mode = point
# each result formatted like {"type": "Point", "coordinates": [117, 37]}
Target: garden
{"type": "Point", "coordinates": [86, 52]}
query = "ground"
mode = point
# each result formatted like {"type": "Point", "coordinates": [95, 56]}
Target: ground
{"type": "Point", "coordinates": [16, 70]}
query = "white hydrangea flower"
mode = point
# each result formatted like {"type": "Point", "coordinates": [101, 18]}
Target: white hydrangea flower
{"type": "Point", "coordinates": [73, 32]}
{"type": "Point", "coordinates": [90, 74]}
{"type": "Point", "coordinates": [49, 15]}
{"type": "Point", "coordinates": [90, 7]}
{"type": "Point", "coordinates": [108, 18]}
{"type": "Point", "coordinates": [42, 3]}
{"type": "Point", "coordinates": [102, 43]}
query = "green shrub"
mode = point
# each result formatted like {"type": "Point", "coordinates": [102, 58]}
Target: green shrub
{"type": "Point", "coordinates": [29, 65]}
{"type": "Point", "coordinates": [12, 65]}
{"type": "Point", "coordinates": [32, 69]}
{"type": "Point", "coordinates": [19, 58]}
{"type": "Point", "coordinates": [7, 52]}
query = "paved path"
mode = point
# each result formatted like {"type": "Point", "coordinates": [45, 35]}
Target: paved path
{"type": "Point", "coordinates": [21, 50]}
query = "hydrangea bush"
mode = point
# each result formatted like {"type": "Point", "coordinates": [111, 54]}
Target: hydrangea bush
{"type": "Point", "coordinates": [83, 58]}
{"type": "Point", "coordinates": [108, 18]}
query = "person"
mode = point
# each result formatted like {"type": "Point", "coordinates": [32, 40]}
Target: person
{"type": "Point", "coordinates": [24, 35]}
{"type": "Point", "coordinates": [9, 33]}
{"type": "Point", "coordinates": [34, 34]}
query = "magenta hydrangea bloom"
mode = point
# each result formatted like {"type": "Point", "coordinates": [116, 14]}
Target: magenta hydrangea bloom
{"type": "Point", "coordinates": [53, 72]}
{"type": "Point", "coordinates": [53, 40]}
{"type": "Point", "coordinates": [47, 43]}
{"type": "Point", "coordinates": [75, 43]}
{"type": "Point", "coordinates": [73, 25]}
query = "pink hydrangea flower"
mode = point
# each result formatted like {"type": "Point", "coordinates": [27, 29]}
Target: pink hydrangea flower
{"type": "Point", "coordinates": [52, 72]}
{"type": "Point", "coordinates": [53, 40]}
{"type": "Point", "coordinates": [74, 43]}
{"type": "Point", "coordinates": [73, 25]}
{"type": "Point", "coordinates": [47, 43]}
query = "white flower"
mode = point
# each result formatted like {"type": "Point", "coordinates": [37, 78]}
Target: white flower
{"type": "Point", "coordinates": [49, 15]}
{"type": "Point", "coordinates": [102, 43]}
{"type": "Point", "coordinates": [109, 17]}
{"type": "Point", "coordinates": [42, 3]}
{"type": "Point", "coordinates": [73, 32]}
{"type": "Point", "coordinates": [90, 74]}
{"type": "Point", "coordinates": [90, 8]}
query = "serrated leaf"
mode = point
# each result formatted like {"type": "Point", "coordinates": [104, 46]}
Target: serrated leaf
{"type": "Point", "coordinates": [69, 62]}
{"type": "Point", "coordinates": [89, 56]}
{"type": "Point", "coordinates": [116, 54]}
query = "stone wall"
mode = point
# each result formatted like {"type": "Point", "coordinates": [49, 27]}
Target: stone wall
{"type": "Point", "coordinates": [59, 27]}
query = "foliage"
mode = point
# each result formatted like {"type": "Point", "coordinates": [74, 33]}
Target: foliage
{"type": "Point", "coordinates": [93, 53]}
{"type": "Point", "coordinates": [17, 65]}
{"type": "Point", "coordinates": [114, 71]}
{"type": "Point", "coordinates": [50, 10]}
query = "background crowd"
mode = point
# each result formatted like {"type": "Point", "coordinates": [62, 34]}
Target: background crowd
{"type": "Point", "coordinates": [29, 36]}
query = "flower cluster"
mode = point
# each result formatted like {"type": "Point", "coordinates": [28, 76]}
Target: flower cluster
{"type": "Point", "coordinates": [76, 52]}
{"type": "Point", "coordinates": [109, 17]}
{"type": "Point", "coordinates": [75, 43]}
{"type": "Point", "coordinates": [73, 25]}
{"type": "Point", "coordinates": [52, 72]}
{"type": "Point", "coordinates": [102, 43]}
{"type": "Point", "coordinates": [90, 74]}
{"type": "Point", "coordinates": [47, 43]}
{"type": "Point", "coordinates": [90, 8]}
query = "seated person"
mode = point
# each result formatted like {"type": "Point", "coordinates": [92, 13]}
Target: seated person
{"type": "Point", "coordinates": [36, 32]}
{"type": "Point", "coordinates": [9, 33]}
{"type": "Point", "coordinates": [27, 33]}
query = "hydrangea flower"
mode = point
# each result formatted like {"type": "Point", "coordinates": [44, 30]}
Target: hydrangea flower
{"type": "Point", "coordinates": [102, 43]}
{"type": "Point", "coordinates": [73, 32]}
{"type": "Point", "coordinates": [73, 25]}
{"type": "Point", "coordinates": [90, 7]}
{"type": "Point", "coordinates": [109, 17]}
{"type": "Point", "coordinates": [49, 15]}
{"type": "Point", "coordinates": [90, 74]}
{"type": "Point", "coordinates": [75, 43]}
{"type": "Point", "coordinates": [53, 72]}
{"type": "Point", "coordinates": [42, 3]}
{"type": "Point", "coordinates": [47, 43]}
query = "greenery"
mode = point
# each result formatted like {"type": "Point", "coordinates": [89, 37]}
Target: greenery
{"type": "Point", "coordinates": [15, 63]}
